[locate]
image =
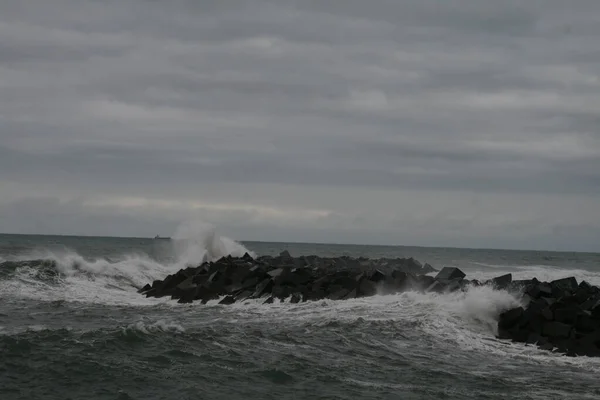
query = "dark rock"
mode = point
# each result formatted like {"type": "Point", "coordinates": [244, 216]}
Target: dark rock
{"type": "Point", "coordinates": [366, 288]}
{"type": "Point", "coordinates": [567, 284]}
{"type": "Point", "coordinates": [243, 295]}
{"type": "Point", "coordinates": [437, 287]}
{"type": "Point", "coordinates": [277, 272]}
{"type": "Point", "coordinates": [555, 329]}
{"type": "Point", "coordinates": [589, 304]}
{"type": "Point", "coordinates": [427, 269]}
{"type": "Point", "coordinates": [449, 273]}
{"type": "Point", "coordinates": [595, 309]}
{"type": "Point", "coordinates": [281, 292]}
{"type": "Point", "coordinates": [546, 346]}
{"type": "Point", "coordinates": [548, 314]}
{"type": "Point", "coordinates": [509, 318]}
{"type": "Point", "coordinates": [339, 294]}
{"type": "Point", "coordinates": [539, 289]}
{"type": "Point", "coordinates": [186, 284]}
{"type": "Point", "coordinates": [227, 300]}
{"type": "Point", "coordinates": [585, 323]}
{"type": "Point", "coordinates": [581, 295]}
{"type": "Point", "coordinates": [377, 276]}
{"type": "Point", "coordinates": [296, 297]}
{"type": "Point", "coordinates": [501, 282]}
{"type": "Point", "coordinates": [145, 288]}
{"type": "Point", "coordinates": [263, 287]}
{"type": "Point", "coordinates": [205, 294]}
{"type": "Point", "coordinates": [567, 315]}
{"type": "Point", "coordinates": [187, 295]}
{"type": "Point", "coordinates": [454, 285]}
{"type": "Point", "coordinates": [424, 281]}
{"type": "Point", "coordinates": [536, 338]}
{"type": "Point", "coordinates": [285, 254]}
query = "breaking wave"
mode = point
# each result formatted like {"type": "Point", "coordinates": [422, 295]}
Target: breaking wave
{"type": "Point", "coordinates": [51, 275]}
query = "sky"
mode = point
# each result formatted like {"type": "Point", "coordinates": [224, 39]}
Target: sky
{"type": "Point", "coordinates": [461, 123]}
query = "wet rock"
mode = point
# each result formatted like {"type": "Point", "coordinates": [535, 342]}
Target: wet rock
{"type": "Point", "coordinates": [296, 298]}
{"type": "Point", "coordinates": [539, 289]}
{"type": "Point", "coordinates": [556, 330]}
{"type": "Point", "coordinates": [424, 281]}
{"type": "Point", "coordinates": [437, 287]}
{"type": "Point", "coordinates": [509, 318]}
{"type": "Point", "coordinates": [566, 284]}
{"type": "Point", "coordinates": [227, 300]}
{"type": "Point", "coordinates": [188, 295]}
{"type": "Point", "coordinates": [263, 287]}
{"type": "Point", "coordinates": [449, 273]}
{"type": "Point", "coordinates": [377, 276]}
{"type": "Point", "coordinates": [146, 288]}
{"type": "Point", "coordinates": [339, 294]}
{"type": "Point", "coordinates": [501, 282]}
{"type": "Point", "coordinates": [567, 315]}
{"type": "Point", "coordinates": [427, 269]}
{"type": "Point", "coordinates": [366, 288]}
{"type": "Point", "coordinates": [455, 285]}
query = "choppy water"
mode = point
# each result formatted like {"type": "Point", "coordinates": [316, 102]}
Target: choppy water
{"type": "Point", "coordinates": [73, 327]}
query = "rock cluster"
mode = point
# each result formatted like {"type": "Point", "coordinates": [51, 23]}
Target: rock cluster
{"type": "Point", "coordinates": [561, 315]}
{"type": "Point", "coordinates": [300, 279]}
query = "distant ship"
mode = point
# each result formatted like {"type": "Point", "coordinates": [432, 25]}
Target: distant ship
{"type": "Point", "coordinates": [161, 238]}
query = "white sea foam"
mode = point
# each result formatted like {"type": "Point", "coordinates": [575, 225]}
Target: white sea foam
{"type": "Point", "coordinates": [114, 281]}
{"type": "Point", "coordinates": [541, 272]}
{"type": "Point", "coordinates": [463, 320]}
{"type": "Point", "coordinates": [148, 327]}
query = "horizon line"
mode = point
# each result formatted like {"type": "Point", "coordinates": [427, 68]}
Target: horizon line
{"type": "Point", "coordinates": [311, 243]}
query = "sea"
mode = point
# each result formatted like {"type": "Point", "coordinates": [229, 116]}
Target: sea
{"type": "Point", "coordinates": [72, 326]}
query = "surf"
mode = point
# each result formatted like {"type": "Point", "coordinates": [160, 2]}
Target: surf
{"type": "Point", "coordinates": [46, 274]}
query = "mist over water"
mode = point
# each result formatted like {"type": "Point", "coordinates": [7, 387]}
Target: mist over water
{"type": "Point", "coordinates": [69, 310]}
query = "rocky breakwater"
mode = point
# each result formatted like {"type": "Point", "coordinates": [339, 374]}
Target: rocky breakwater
{"type": "Point", "coordinates": [561, 316]}
{"type": "Point", "coordinates": [299, 279]}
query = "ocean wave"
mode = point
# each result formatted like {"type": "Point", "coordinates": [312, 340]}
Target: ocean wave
{"type": "Point", "coordinates": [54, 275]}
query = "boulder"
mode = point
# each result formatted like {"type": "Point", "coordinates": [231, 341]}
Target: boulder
{"type": "Point", "coordinates": [567, 315]}
{"type": "Point", "coordinates": [427, 269]}
{"type": "Point", "coordinates": [366, 288]}
{"type": "Point", "coordinates": [263, 287]}
{"type": "Point", "coordinates": [144, 289]}
{"type": "Point", "coordinates": [377, 276]}
{"type": "Point", "coordinates": [227, 300]}
{"type": "Point", "coordinates": [296, 298]}
{"type": "Point", "coordinates": [566, 284]}
{"type": "Point", "coordinates": [539, 289]}
{"type": "Point", "coordinates": [555, 329]}
{"type": "Point", "coordinates": [449, 273]}
{"type": "Point", "coordinates": [339, 294]}
{"type": "Point", "coordinates": [436, 286]}
{"type": "Point", "coordinates": [509, 318]}
{"type": "Point", "coordinates": [501, 282]}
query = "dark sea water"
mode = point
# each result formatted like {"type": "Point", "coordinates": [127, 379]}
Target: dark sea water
{"type": "Point", "coordinates": [73, 327]}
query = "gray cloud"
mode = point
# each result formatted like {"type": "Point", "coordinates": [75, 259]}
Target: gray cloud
{"type": "Point", "coordinates": [205, 100]}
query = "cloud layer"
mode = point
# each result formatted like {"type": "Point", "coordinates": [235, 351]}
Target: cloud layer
{"type": "Point", "coordinates": [460, 123]}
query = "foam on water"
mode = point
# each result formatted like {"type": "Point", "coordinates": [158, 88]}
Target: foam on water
{"type": "Point", "coordinates": [541, 272]}
{"type": "Point", "coordinates": [78, 279]}
{"type": "Point", "coordinates": [464, 320]}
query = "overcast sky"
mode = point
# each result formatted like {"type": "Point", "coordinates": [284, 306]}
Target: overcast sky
{"type": "Point", "coordinates": [470, 123]}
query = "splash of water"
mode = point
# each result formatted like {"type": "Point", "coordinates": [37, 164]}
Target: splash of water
{"type": "Point", "coordinates": [54, 275]}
